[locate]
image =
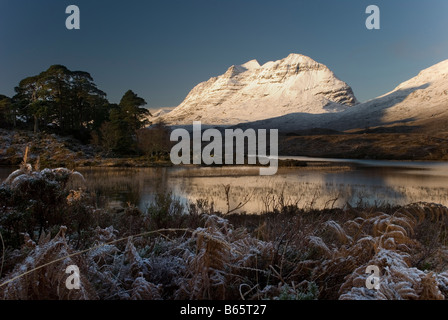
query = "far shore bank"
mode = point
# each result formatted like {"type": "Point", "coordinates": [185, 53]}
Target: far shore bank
{"type": "Point", "coordinates": [295, 150]}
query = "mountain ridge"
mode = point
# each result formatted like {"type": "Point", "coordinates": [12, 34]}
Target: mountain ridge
{"type": "Point", "coordinates": [252, 91]}
{"type": "Point", "coordinates": [419, 101]}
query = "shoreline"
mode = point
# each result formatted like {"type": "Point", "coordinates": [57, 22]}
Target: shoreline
{"type": "Point", "coordinates": [57, 151]}
{"type": "Point", "coordinates": [310, 162]}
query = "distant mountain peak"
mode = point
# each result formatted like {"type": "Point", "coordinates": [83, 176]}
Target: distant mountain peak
{"type": "Point", "coordinates": [249, 92]}
{"type": "Point", "coordinates": [420, 103]}
{"type": "Point", "coordinates": [251, 65]}
{"type": "Point", "coordinates": [426, 76]}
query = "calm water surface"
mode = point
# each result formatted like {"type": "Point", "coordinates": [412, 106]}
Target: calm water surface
{"type": "Point", "coordinates": [348, 181]}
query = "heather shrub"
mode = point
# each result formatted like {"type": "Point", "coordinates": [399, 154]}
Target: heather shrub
{"type": "Point", "coordinates": [34, 202]}
{"type": "Point", "coordinates": [169, 252]}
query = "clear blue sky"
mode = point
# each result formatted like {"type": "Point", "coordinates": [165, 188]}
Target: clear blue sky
{"type": "Point", "coordinates": [162, 49]}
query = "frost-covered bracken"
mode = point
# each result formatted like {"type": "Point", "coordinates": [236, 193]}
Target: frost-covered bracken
{"type": "Point", "coordinates": [289, 255]}
{"type": "Point", "coordinates": [25, 173]}
{"type": "Point", "coordinates": [41, 276]}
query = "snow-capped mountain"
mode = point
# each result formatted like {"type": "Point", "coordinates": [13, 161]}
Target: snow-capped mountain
{"type": "Point", "coordinates": [251, 92]}
{"type": "Point", "coordinates": [155, 113]}
{"type": "Point", "coordinates": [420, 101]}
{"type": "Point", "coordinates": [298, 93]}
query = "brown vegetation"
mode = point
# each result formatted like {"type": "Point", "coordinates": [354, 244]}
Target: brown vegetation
{"type": "Point", "coordinates": [379, 143]}
{"type": "Point", "coordinates": [166, 253]}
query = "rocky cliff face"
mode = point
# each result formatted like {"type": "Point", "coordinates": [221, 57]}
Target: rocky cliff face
{"type": "Point", "coordinates": [250, 92]}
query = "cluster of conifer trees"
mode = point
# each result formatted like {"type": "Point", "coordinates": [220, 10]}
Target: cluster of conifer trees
{"type": "Point", "coordinates": [67, 102]}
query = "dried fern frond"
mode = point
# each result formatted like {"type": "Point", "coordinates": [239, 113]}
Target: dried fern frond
{"type": "Point", "coordinates": [40, 278]}
{"type": "Point", "coordinates": [318, 244]}
{"type": "Point", "coordinates": [208, 266]}
{"type": "Point", "coordinates": [338, 231]}
{"type": "Point", "coordinates": [430, 288]}
{"type": "Point", "coordinates": [144, 290]}
{"type": "Point", "coordinates": [135, 264]}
